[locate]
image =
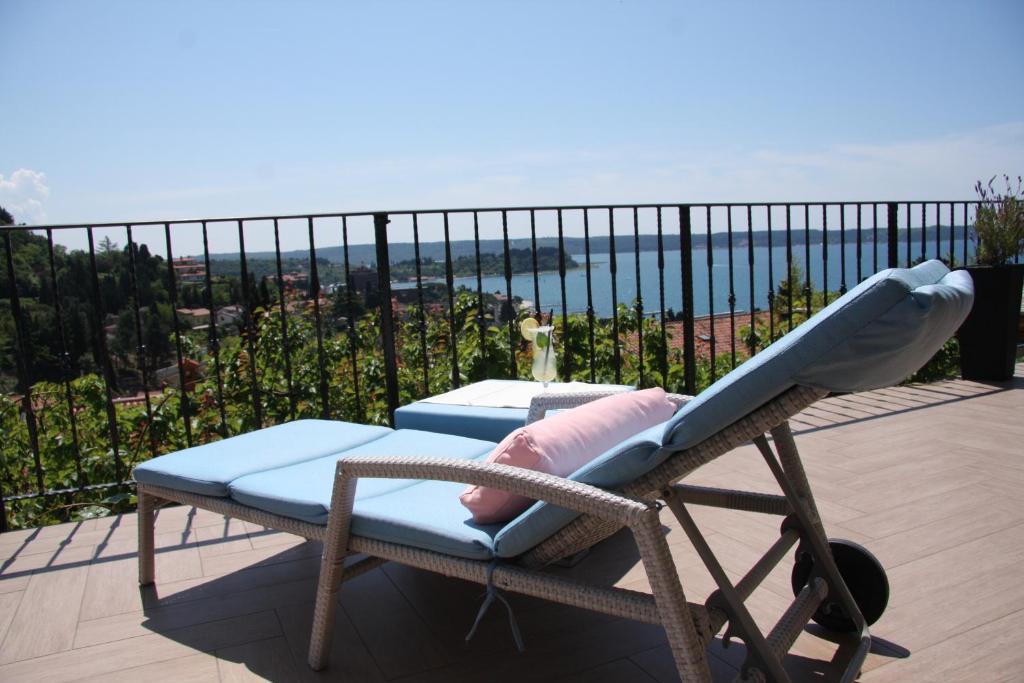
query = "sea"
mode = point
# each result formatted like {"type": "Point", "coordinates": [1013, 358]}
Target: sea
{"type": "Point", "coordinates": [768, 268]}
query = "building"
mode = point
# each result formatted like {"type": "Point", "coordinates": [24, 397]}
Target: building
{"type": "Point", "coordinates": [295, 285]}
{"type": "Point", "coordinates": [170, 376]}
{"type": "Point", "coordinates": [194, 317]}
{"type": "Point", "coordinates": [363, 280]}
{"type": "Point", "coordinates": [189, 269]}
{"type": "Point", "coordinates": [229, 314]}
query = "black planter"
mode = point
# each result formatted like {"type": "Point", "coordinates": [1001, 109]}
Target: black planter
{"type": "Point", "coordinates": [988, 338]}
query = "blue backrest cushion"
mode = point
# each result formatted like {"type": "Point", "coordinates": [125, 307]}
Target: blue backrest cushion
{"type": "Point", "coordinates": [875, 335]}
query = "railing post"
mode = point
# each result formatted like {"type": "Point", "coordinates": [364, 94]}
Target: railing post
{"type": "Point", "coordinates": [314, 292]}
{"type": "Point", "coordinates": [686, 267]}
{"type": "Point", "coordinates": [22, 364]}
{"type": "Point", "coordinates": [387, 319]}
{"type": "Point", "coordinates": [894, 257]}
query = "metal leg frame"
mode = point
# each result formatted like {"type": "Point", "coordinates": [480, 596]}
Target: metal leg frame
{"type": "Point", "coordinates": [726, 605]}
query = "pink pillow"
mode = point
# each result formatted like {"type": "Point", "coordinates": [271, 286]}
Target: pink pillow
{"type": "Point", "coordinates": [563, 443]}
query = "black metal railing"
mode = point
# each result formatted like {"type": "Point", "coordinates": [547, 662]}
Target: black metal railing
{"type": "Point", "coordinates": [360, 343]}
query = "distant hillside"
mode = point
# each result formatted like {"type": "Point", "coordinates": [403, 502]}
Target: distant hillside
{"type": "Point", "coordinates": [404, 251]}
{"type": "Point", "coordinates": [520, 261]}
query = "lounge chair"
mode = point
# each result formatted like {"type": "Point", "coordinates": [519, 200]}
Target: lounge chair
{"type": "Point", "coordinates": [301, 478]}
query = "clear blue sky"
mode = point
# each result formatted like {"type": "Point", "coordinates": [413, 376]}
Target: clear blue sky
{"type": "Point", "coordinates": [154, 110]}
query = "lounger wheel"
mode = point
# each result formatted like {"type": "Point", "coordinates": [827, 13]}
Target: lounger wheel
{"type": "Point", "coordinates": [864, 576]}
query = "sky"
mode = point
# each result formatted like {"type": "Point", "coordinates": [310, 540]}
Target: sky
{"type": "Point", "coordinates": [130, 111]}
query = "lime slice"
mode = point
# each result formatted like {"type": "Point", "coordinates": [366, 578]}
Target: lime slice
{"type": "Point", "coordinates": [528, 328]}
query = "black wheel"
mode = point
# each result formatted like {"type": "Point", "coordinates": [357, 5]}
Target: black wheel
{"type": "Point", "coordinates": [864, 576]}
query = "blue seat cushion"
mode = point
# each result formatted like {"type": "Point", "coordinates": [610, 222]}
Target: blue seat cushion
{"type": "Point", "coordinates": [409, 511]}
{"type": "Point", "coordinates": [476, 422]}
{"type": "Point", "coordinates": [875, 335]}
{"type": "Point", "coordinates": [208, 469]}
{"type": "Point", "coordinates": [426, 515]}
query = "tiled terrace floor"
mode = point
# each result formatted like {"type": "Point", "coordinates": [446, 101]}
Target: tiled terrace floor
{"type": "Point", "coordinates": [930, 478]}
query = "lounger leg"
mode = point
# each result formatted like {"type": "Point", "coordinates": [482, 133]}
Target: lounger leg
{"type": "Point", "coordinates": [331, 565]}
{"type": "Point", "coordinates": [147, 550]}
{"type": "Point", "coordinates": [790, 474]}
{"type": "Point", "coordinates": [688, 649]}
{"type": "Point", "coordinates": [789, 458]}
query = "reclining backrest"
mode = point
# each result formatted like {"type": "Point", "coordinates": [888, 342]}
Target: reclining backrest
{"type": "Point", "coordinates": [875, 335]}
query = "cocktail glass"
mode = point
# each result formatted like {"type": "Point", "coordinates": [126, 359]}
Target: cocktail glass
{"type": "Point", "coordinates": [544, 358]}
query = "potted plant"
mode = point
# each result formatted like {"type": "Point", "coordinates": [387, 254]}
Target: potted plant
{"type": "Point", "coordinates": [988, 338]}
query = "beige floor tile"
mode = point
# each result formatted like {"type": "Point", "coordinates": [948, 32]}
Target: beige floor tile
{"type": "Point", "coordinates": [192, 613]}
{"type": "Point", "coordinates": [990, 652]}
{"type": "Point", "coordinates": [261, 660]}
{"type": "Point", "coordinates": [47, 614]}
{"type": "Point", "coordinates": [8, 608]}
{"type": "Point", "coordinates": [349, 658]}
{"type": "Point", "coordinates": [99, 660]}
{"type": "Point", "coordinates": [198, 668]}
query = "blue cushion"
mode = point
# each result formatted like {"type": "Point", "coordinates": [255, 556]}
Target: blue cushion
{"type": "Point", "coordinates": [303, 491]}
{"type": "Point", "coordinates": [208, 469]}
{"type": "Point", "coordinates": [425, 515]}
{"type": "Point", "coordinates": [476, 422]}
{"type": "Point", "coordinates": [873, 336]}
{"type": "Point", "coordinates": [612, 470]}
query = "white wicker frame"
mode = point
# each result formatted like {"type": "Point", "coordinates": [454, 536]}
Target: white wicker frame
{"type": "Point", "coordinates": [689, 626]}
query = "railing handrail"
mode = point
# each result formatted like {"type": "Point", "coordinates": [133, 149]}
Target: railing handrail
{"type": "Point", "coordinates": [490, 209]}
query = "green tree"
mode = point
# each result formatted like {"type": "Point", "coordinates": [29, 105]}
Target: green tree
{"type": "Point", "coordinates": [107, 245]}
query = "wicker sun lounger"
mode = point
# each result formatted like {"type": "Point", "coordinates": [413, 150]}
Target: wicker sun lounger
{"type": "Point", "coordinates": [302, 478]}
